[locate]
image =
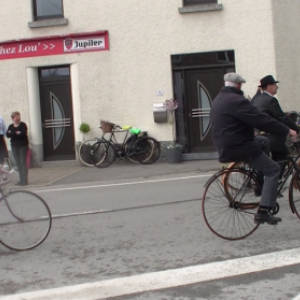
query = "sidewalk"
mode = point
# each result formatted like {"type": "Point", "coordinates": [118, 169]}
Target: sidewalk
{"type": "Point", "coordinates": [81, 175]}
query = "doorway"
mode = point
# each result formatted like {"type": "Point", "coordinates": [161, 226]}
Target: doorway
{"type": "Point", "coordinates": [197, 80]}
{"type": "Point", "coordinates": [57, 113]}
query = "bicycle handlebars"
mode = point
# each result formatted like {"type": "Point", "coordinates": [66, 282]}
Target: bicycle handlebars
{"type": "Point", "coordinates": [116, 127]}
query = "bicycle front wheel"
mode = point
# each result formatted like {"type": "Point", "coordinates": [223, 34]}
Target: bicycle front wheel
{"type": "Point", "coordinates": [147, 150]}
{"type": "Point", "coordinates": [129, 149]}
{"type": "Point", "coordinates": [25, 220]}
{"type": "Point", "coordinates": [229, 212]}
{"type": "Point", "coordinates": [103, 154]}
{"type": "Point", "coordinates": [84, 152]}
{"type": "Point", "coordinates": [294, 193]}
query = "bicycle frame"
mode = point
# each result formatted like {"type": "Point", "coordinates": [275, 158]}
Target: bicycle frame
{"type": "Point", "coordinates": [292, 167]}
{"type": "Point", "coordinates": [119, 148]}
{"type": "Point", "coordinates": [4, 198]}
{"type": "Point", "coordinates": [289, 171]}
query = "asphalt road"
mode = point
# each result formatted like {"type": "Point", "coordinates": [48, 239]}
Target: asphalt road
{"type": "Point", "coordinates": [123, 229]}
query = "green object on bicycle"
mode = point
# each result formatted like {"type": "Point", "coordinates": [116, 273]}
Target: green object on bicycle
{"type": "Point", "coordinates": [135, 130]}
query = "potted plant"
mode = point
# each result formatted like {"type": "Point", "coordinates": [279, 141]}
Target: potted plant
{"type": "Point", "coordinates": [86, 148]}
{"type": "Point", "coordinates": [84, 128]}
{"type": "Point", "coordinates": [174, 150]}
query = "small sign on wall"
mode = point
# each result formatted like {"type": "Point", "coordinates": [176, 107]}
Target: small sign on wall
{"type": "Point", "coordinates": [159, 93]}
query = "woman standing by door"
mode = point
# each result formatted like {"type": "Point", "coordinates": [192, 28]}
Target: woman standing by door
{"type": "Point", "coordinates": [17, 132]}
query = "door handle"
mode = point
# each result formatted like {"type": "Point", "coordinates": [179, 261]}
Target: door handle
{"type": "Point", "coordinates": [57, 123]}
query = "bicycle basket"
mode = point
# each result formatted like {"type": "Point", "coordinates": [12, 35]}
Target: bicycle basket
{"type": "Point", "coordinates": [106, 126]}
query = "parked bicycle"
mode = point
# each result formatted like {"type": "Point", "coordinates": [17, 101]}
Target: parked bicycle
{"type": "Point", "coordinates": [25, 218]}
{"type": "Point", "coordinates": [136, 146]}
{"type": "Point", "coordinates": [230, 199]}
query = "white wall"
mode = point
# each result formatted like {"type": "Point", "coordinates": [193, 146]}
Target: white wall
{"type": "Point", "coordinates": [120, 84]}
{"type": "Point", "coordinates": [287, 45]}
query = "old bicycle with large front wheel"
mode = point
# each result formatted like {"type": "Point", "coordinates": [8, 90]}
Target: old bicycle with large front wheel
{"type": "Point", "coordinates": [231, 200]}
{"type": "Point", "coordinates": [25, 218]}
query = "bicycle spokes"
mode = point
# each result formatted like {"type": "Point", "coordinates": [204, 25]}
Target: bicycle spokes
{"type": "Point", "coordinates": [25, 220]}
{"type": "Point", "coordinates": [229, 203]}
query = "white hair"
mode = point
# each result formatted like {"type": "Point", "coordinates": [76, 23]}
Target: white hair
{"type": "Point", "coordinates": [227, 83]}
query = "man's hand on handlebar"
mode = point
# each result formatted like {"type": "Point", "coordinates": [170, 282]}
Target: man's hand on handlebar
{"type": "Point", "coordinates": [293, 134]}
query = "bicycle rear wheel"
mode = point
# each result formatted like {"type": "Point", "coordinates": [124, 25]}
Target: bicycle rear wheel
{"type": "Point", "coordinates": [147, 150]}
{"type": "Point", "coordinates": [235, 165]}
{"type": "Point", "coordinates": [25, 220]}
{"type": "Point", "coordinates": [129, 148]}
{"type": "Point", "coordinates": [229, 213]}
{"type": "Point", "coordinates": [103, 154]}
{"type": "Point", "coordinates": [84, 151]}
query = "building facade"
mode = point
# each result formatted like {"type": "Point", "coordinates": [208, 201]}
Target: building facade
{"type": "Point", "coordinates": [64, 62]}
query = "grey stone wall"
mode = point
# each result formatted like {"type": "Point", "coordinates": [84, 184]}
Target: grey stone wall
{"type": "Point", "coordinates": [37, 155]}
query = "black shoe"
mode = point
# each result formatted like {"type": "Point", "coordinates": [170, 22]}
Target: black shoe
{"type": "Point", "coordinates": [19, 182]}
{"type": "Point", "coordinates": [266, 218]}
{"type": "Point", "coordinates": [23, 183]}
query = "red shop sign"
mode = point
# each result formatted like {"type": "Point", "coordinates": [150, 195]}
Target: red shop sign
{"type": "Point", "coordinates": [55, 45]}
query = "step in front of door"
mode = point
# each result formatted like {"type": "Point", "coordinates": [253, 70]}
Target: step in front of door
{"type": "Point", "coordinates": [59, 163]}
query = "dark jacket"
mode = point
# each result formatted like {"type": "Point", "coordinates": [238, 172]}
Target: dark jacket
{"type": "Point", "coordinates": [17, 139]}
{"type": "Point", "coordinates": [233, 119]}
{"type": "Point", "coordinates": [269, 105]}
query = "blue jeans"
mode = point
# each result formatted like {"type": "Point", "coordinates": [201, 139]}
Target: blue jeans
{"type": "Point", "coordinates": [19, 153]}
{"type": "Point", "coordinates": [271, 170]}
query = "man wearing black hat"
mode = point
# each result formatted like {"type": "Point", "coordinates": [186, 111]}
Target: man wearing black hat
{"type": "Point", "coordinates": [233, 119]}
{"type": "Point", "coordinates": [268, 104]}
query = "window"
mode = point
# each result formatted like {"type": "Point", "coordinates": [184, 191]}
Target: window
{"type": "Point", "coordinates": [47, 9]}
{"type": "Point", "coordinates": [193, 6]}
{"type": "Point", "coordinates": [61, 71]}
{"type": "Point", "coordinates": [196, 2]}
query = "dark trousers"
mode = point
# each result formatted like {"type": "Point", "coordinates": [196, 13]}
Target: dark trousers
{"type": "Point", "coordinates": [264, 145]}
{"type": "Point", "coordinates": [270, 170]}
{"type": "Point", "coordinates": [20, 153]}
{"type": "Point", "coordinates": [279, 152]}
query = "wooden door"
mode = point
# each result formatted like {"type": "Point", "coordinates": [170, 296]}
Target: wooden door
{"type": "Point", "coordinates": [57, 114]}
{"type": "Point", "coordinates": [202, 86]}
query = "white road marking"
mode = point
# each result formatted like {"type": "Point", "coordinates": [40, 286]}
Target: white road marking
{"type": "Point", "coordinates": [165, 279]}
{"type": "Point", "coordinates": [297, 297]}
{"type": "Point", "coordinates": [92, 212]}
{"type": "Point", "coordinates": [123, 183]}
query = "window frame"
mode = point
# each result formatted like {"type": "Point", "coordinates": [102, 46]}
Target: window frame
{"type": "Point", "coordinates": [39, 18]}
{"type": "Point", "coordinates": [198, 2]}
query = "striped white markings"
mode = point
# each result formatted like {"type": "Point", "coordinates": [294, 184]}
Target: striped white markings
{"type": "Point", "coordinates": [166, 279]}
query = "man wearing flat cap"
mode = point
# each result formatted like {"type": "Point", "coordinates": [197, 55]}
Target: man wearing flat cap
{"type": "Point", "coordinates": [233, 119]}
{"type": "Point", "coordinates": [268, 104]}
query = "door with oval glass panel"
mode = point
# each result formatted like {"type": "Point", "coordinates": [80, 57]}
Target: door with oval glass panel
{"type": "Point", "coordinates": [202, 86]}
{"type": "Point", "coordinates": [57, 114]}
